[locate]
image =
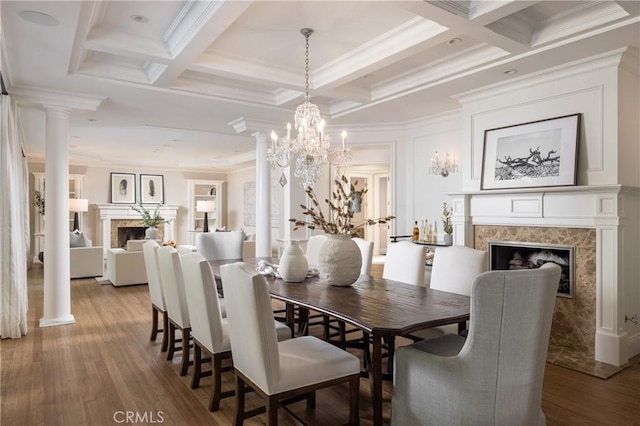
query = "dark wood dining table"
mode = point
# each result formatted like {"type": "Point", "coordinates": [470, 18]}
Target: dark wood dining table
{"type": "Point", "coordinates": [381, 308]}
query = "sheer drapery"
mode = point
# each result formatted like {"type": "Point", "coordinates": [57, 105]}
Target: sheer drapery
{"type": "Point", "coordinates": [14, 247]}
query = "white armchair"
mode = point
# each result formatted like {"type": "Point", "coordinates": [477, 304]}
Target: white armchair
{"type": "Point", "coordinates": [86, 261]}
{"type": "Point", "coordinates": [127, 267]}
{"type": "Point", "coordinates": [494, 376]}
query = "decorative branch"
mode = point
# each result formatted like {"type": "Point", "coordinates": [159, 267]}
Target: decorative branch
{"type": "Point", "coordinates": [340, 215]}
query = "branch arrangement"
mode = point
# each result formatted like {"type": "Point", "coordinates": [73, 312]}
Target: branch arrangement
{"type": "Point", "coordinates": [148, 218]}
{"type": "Point", "coordinates": [340, 215]}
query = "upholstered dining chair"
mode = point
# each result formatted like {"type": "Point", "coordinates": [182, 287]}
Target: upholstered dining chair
{"type": "Point", "coordinates": [335, 328]}
{"type": "Point", "coordinates": [176, 302]}
{"type": "Point", "coordinates": [208, 328]}
{"type": "Point", "coordinates": [278, 371]}
{"type": "Point", "coordinates": [220, 245]}
{"type": "Point", "coordinates": [454, 269]}
{"type": "Point", "coordinates": [495, 375]}
{"type": "Point", "coordinates": [366, 250]}
{"type": "Point", "coordinates": [312, 252]}
{"type": "Point", "coordinates": [158, 306]}
{"type": "Point", "coordinates": [404, 262]}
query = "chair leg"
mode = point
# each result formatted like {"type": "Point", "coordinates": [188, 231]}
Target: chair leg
{"type": "Point", "coordinates": [216, 392]}
{"type": "Point", "coordinates": [165, 331]}
{"type": "Point", "coordinates": [197, 364]}
{"type": "Point", "coordinates": [272, 411]}
{"type": "Point", "coordinates": [354, 401]}
{"type": "Point", "coordinates": [186, 336]}
{"type": "Point", "coordinates": [172, 341]}
{"type": "Point", "coordinates": [154, 323]}
{"type": "Point", "coordinates": [238, 417]}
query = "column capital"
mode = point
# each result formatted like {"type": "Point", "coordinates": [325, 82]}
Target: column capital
{"type": "Point", "coordinates": [56, 111]}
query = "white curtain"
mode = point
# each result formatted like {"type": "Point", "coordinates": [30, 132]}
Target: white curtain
{"type": "Point", "coordinates": [14, 226]}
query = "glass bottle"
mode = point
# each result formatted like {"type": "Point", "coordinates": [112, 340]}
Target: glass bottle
{"type": "Point", "coordinates": [416, 232]}
{"type": "Point", "coordinates": [426, 231]}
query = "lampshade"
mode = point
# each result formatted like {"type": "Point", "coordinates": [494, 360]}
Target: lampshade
{"type": "Point", "coordinates": [205, 206]}
{"type": "Point", "coordinates": [78, 205]}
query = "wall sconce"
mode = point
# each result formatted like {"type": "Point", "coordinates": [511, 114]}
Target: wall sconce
{"type": "Point", "coordinates": [206, 207]}
{"type": "Point", "coordinates": [78, 205]}
{"type": "Point", "coordinates": [443, 168]}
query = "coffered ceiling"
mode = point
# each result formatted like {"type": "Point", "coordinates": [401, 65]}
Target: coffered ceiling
{"type": "Point", "coordinates": [173, 75]}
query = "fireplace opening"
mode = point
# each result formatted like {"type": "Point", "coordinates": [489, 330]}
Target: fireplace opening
{"type": "Point", "coordinates": [507, 255]}
{"type": "Point", "coordinates": [126, 233]}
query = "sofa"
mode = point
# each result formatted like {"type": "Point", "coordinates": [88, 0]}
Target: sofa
{"type": "Point", "coordinates": [126, 266]}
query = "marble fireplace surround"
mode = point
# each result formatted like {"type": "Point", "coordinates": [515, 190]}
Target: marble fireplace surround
{"type": "Point", "coordinates": [111, 216]}
{"type": "Point", "coordinates": [586, 329]}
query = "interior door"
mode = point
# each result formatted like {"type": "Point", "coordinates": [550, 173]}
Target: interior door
{"type": "Point", "coordinates": [382, 208]}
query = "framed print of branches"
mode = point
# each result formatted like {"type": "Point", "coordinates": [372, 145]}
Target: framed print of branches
{"type": "Point", "coordinates": [123, 188]}
{"type": "Point", "coordinates": [535, 154]}
{"type": "Point", "coordinates": [151, 189]}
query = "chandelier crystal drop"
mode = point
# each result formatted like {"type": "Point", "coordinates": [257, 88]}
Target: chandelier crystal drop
{"type": "Point", "coordinates": [311, 147]}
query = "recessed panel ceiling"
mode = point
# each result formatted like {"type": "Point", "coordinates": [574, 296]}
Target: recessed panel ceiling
{"type": "Point", "coordinates": [160, 15]}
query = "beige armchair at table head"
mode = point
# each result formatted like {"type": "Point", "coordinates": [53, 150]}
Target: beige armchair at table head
{"type": "Point", "coordinates": [494, 376]}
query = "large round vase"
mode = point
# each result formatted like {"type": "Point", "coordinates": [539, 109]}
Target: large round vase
{"type": "Point", "coordinates": [293, 266]}
{"type": "Point", "coordinates": [340, 260]}
{"type": "Point", "coordinates": [151, 233]}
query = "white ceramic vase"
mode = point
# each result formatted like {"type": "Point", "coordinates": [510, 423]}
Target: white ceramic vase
{"type": "Point", "coordinates": [293, 265]}
{"type": "Point", "coordinates": [340, 260]}
{"type": "Point", "coordinates": [151, 233]}
{"type": "Point", "coordinates": [448, 239]}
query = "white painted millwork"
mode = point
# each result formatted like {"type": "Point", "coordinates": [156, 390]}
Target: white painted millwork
{"type": "Point", "coordinates": [205, 190]}
{"type": "Point", "coordinates": [607, 195]}
{"type": "Point", "coordinates": [263, 197]}
{"type": "Point", "coordinates": [57, 278]}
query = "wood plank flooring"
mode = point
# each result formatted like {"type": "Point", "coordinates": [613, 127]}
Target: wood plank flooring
{"type": "Point", "coordinates": [103, 368]}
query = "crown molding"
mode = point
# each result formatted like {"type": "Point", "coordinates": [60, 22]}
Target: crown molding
{"type": "Point", "coordinates": [62, 99]}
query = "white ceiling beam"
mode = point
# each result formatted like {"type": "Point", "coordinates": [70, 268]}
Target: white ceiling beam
{"type": "Point", "coordinates": [197, 27]}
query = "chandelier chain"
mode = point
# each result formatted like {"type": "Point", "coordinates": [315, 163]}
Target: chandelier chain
{"type": "Point", "coordinates": [306, 63]}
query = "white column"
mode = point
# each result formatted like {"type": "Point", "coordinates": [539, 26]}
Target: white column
{"type": "Point", "coordinates": [57, 277]}
{"type": "Point", "coordinates": [263, 197]}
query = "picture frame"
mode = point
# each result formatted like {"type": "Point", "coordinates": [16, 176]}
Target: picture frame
{"type": "Point", "coordinates": [123, 188]}
{"type": "Point", "coordinates": [151, 189]}
{"type": "Point", "coordinates": [539, 153]}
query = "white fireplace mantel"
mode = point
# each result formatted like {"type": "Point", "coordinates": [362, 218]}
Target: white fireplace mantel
{"type": "Point", "coordinates": [108, 212]}
{"type": "Point", "coordinates": [612, 210]}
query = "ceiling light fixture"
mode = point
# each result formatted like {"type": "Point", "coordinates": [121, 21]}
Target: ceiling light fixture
{"type": "Point", "coordinates": [311, 147]}
{"type": "Point", "coordinates": [140, 19]}
{"type": "Point", "coordinates": [510, 72]}
{"type": "Point", "coordinates": [454, 41]}
{"type": "Point", "coordinates": [38, 18]}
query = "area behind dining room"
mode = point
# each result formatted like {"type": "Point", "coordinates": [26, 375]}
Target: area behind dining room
{"type": "Point", "coordinates": [95, 371]}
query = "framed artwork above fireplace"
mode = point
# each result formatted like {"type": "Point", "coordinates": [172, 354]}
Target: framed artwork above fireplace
{"type": "Point", "coordinates": [123, 188]}
{"type": "Point", "coordinates": [535, 154]}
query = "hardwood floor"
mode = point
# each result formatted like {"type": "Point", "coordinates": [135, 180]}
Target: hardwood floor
{"type": "Point", "coordinates": [104, 368]}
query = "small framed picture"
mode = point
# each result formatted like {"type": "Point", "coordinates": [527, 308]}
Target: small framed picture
{"type": "Point", "coordinates": [123, 188]}
{"type": "Point", "coordinates": [151, 189]}
{"type": "Point", "coordinates": [536, 154]}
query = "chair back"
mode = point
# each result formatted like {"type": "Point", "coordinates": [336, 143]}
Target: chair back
{"type": "Point", "coordinates": [312, 252]}
{"type": "Point", "coordinates": [511, 314]}
{"type": "Point", "coordinates": [173, 285]}
{"type": "Point", "coordinates": [150, 253]}
{"type": "Point", "coordinates": [404, 262]}
{"type": "Point", "coordinates": [204, 307]}
{"type": "Point", "coordinates": [366, 250]}
{"type": "Point", "coordinates": [220, 245]}
{"type": "Point", "coordinates": [251, 327]}
{"type": "Point", "coordinates": [456, 267]}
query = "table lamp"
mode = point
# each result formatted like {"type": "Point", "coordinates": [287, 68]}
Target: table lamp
{"type": "Point", "coordinates": [206, 207]}
{"type": "Point", "coordinates": [78, 205]}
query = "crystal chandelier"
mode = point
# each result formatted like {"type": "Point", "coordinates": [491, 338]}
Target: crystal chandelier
{"type": "Point", "coordinates": [311, 148]}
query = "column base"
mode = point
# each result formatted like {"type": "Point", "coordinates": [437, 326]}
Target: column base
{"type": "Point", "coordinates": [51, 322]}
